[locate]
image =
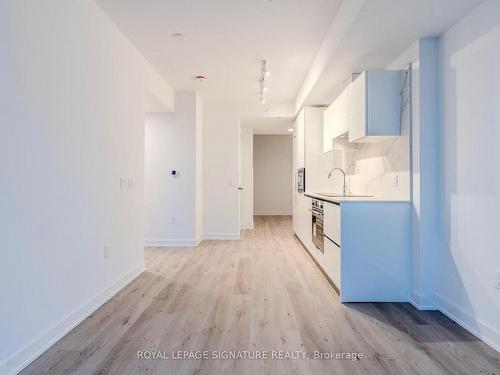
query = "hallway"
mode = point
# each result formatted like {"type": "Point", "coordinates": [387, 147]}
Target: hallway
{"type": "Point", "coordinates": [263, 293]}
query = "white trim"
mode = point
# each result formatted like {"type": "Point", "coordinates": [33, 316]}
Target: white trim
{"type": "Point", "coordinates": [272, 213]}
{"type": "Point", "coordinates": [175, 242]}
{"type": "Point", "coordinates": [420, 302]}
{"type": "Point", "coordinates": [222, 236]}
{"type": "Point", "coordinates": [248, 227]}
{"type": "Point", "coordinates": [35, 348]}
{"type": "Point", "coordinates": [475, 326]}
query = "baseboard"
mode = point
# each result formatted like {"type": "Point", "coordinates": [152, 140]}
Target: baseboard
{"type": "Point", "coordinates": [272, 213]}
{"type": "Point", "coordinates": [478, 328]}
{"type": "Point", "coordinates": [35, 348]}
{"type": "Point", "coordinates": [222, 236]}
{"type": "Point", "coordinates": [248, 227]}
{"type": "Point", "coordinates": [169, 243]}
{"type": "Point", "coordinates": [420, 303]}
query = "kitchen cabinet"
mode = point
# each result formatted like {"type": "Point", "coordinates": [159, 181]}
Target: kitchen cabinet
{"type": "Point", "coordinates": [330, 262]}
{"type": "Point", "coordinates": [299, 141]}
{"type": "Point", "coordinates": [332, 242]}
{"type": "Point", "coordinates": [367, 249]}
{"type": "Point", "coordinates": [329, 123]}
{"type": "Point", "coordinates": [336, 119]}
{"type": "Point", "coordinates": [332, 222]}
{"type": "Point", "coordinates": [374, 106]}
{"type": "Point", "coordinates": [307, 140]}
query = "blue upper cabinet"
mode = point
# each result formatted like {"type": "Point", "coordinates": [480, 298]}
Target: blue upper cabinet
{"type": "Point", "coordinates": [374, 106]}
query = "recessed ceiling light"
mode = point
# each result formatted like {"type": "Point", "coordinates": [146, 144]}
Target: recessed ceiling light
{"type": "Point", "coordinates": [265, 89]}
{"type": "Point", "coordinates": [177, 36]}
{"type": "Point", "coordinates": [200, 78]}
{"type": "Point", "coordinates": [290, 130]}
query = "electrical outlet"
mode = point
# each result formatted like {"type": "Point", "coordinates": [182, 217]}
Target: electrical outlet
{"type": "Point", "coordinates": [107, 251]}
{"type": "Point", "coordinates": [396, 181]}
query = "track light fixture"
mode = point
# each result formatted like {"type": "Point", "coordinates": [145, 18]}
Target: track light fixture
{"type": "Point", "coordinates": [262, 81]}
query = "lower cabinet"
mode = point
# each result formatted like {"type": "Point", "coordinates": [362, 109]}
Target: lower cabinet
{"type": "Point", "coordinates": [332, 222]}
{"type": "Point", "coordinates": [331, 262]}
{"type": "Point", "coordinates": [367, 247]}
{"type": "Point", "coordinates": [302, 219]}
{"type": "Point", "coordinates": [331, 257]}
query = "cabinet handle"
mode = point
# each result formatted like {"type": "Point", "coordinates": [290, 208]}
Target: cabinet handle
{"type": "Point", "coordinates": [324, 235]}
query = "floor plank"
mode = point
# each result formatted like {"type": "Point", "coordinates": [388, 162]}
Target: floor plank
{"type": "Point", "coordinates": [261, 293]}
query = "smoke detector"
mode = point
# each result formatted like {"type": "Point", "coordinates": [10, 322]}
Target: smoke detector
{"type": "Point", "coordinates": [177, 36]}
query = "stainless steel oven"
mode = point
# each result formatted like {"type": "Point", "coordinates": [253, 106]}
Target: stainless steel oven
{"type": "Point", "coordinates": [317, 224]}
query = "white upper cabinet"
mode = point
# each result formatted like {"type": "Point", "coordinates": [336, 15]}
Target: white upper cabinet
{"type": "Point", "coordinates": [299, 140]}
{"type": "Point", "coordinates": [374, 106]}
{"type": "Point", "coordinates": [336, 119]}
{"type": "Point", "coordinates": [330, 121]}
{"type": "Point", "coordinates": [344, 99]}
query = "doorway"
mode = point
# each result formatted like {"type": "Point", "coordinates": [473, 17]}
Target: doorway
{"type": "Point", "coordinates": [266, 163]}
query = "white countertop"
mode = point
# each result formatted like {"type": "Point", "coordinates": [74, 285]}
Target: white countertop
{"type": "Point", "coordinates": [341, 199]}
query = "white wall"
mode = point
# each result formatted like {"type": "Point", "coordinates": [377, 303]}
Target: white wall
{"type": "Point", "coordinates": [221, 165]}
{"type": "Point", "coordinates": [199, 169]}
{"type": "Point", "coordinates": [246, 171]}
{"type": "Point", "coordinates": [71, 124]}
{"type": "Point", "coordinates": [173, 204]}
{"type": "Point", "coordinates": [272, 165]}
{"type": "Point", "coordinates": [425, 172]}
{"type": "Point", "coordinates": [469, 251]}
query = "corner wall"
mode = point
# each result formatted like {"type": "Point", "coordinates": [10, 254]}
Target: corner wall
{"type": "Point", "coordinates": [221, 162]}
{"type": "Point", "coordinates": [72, 152]}
{"type": "Point", "coordinates": [173, 205]}
{"type": "Point", "coordinates": [246, 171]}
{"type": "Point", "coordinates": [467, 286]}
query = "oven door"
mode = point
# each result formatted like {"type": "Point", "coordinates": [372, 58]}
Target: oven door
{"type": "Point", "coordinates": [317, 230]}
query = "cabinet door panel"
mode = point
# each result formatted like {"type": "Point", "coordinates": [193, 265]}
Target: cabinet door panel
{"type": "Point", "coordinates": [328, 124]}
{"type": "Point", "coordinates": [332, 222]}
{"type": "Point", "coordinates": [357, 108]}
{"type": "Point", "coordinates": [299, 134]}
{"type": "Point", "coordinates": [343, 122]}
{"type": "Point", "coordinates": [331, 262]}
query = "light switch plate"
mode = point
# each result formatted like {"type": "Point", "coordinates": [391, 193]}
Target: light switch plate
{"type": "Point", "coordinates": [123, 183]}
{"type": "Point", "coordinates": [130, 183]}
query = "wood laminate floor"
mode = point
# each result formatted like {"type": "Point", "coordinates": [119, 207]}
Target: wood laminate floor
{"type": "Point", "coordinates": [262, 293]}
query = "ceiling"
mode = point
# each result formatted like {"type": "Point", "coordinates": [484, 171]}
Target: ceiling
{"type": "Point", "coordinates": [226, 40]}
{"type": "Point", "coordinates": [379, 31]}
{"type": "Point", "coordinates": [268, 125]}
{"type": "Point", "coordinates": [311, 47]}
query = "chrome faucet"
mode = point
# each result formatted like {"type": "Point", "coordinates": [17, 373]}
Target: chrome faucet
{"type": "Point", "coordinates": [344, 186]}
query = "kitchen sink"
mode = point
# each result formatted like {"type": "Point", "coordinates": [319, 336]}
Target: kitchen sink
{"type": "Point", "coordinates": [340, 195]}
